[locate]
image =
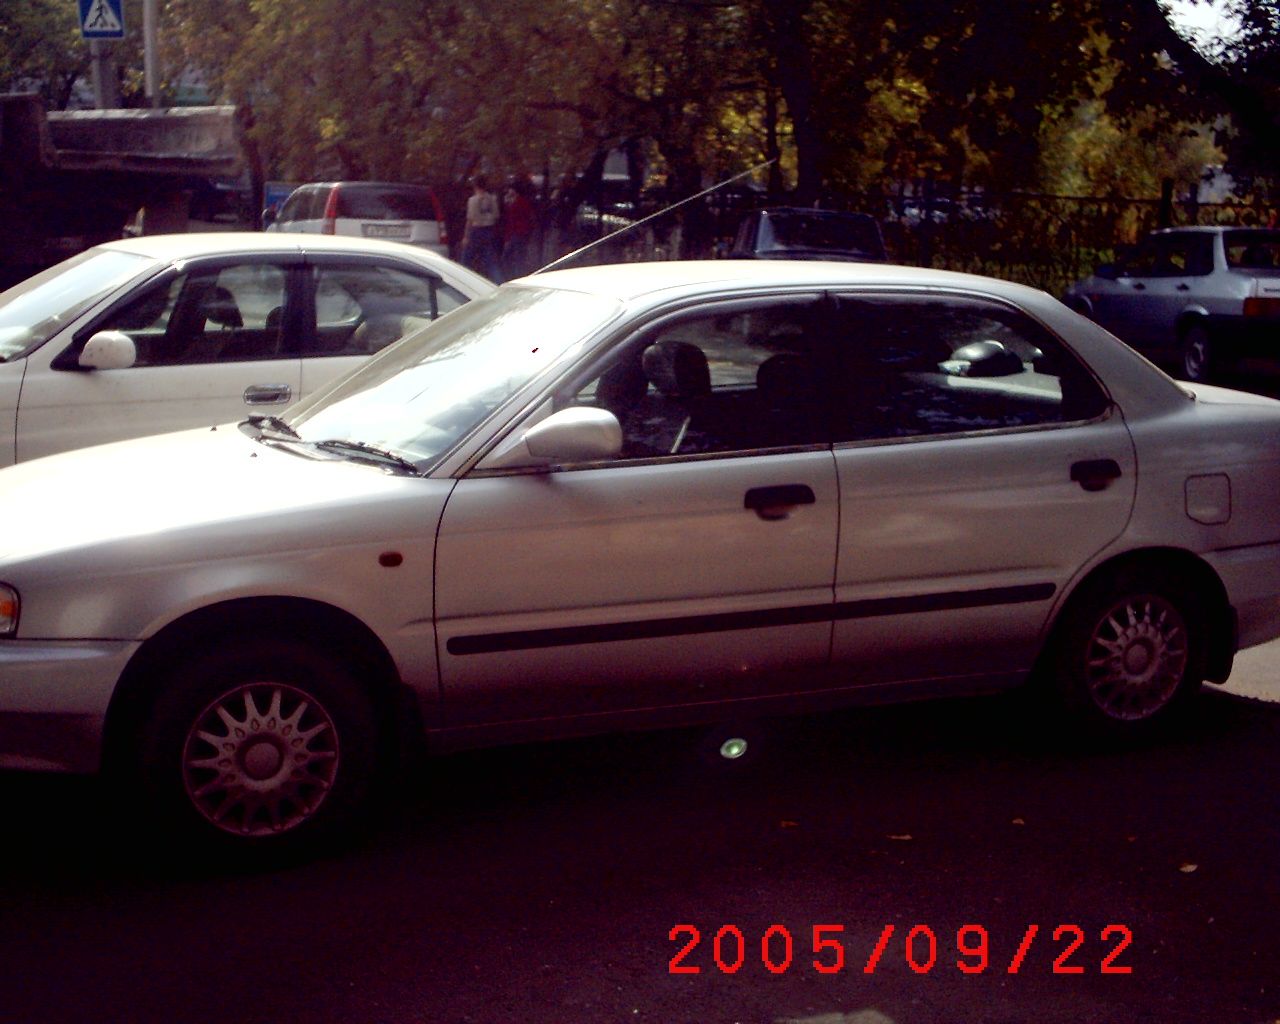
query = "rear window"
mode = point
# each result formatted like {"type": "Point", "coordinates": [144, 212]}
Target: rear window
{"type": "Point", "coordinates": [815, 231]}
{"type": "Point", "coordinates": [386, 203]}
{"type": "Point", "coordinates": [1253, 250]}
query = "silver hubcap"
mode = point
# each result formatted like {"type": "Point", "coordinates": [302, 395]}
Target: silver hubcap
{"type": "Point", "coordinates": [1137, 657]}
{"type": "Point", "coordinates": [1196, 356]}
{"type": "Point", "coordinates": [260, 759]}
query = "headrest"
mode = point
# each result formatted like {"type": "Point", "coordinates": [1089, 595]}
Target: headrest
{"type": "Point", "coordinates": [677, 369]}
{"type": "Point", "coordinates": [219, 306]}
{"type": "Point", "coordinates": [784, 379]}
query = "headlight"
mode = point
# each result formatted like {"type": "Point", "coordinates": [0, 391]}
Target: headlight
{"type": "Point", "coordinates": [9, 604]}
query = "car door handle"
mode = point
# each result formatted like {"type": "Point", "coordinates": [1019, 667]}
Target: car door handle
{"type": "Point", "coordinates": [267, 394]}
{"type": "Point", "coordinates": [1095, 474]}
{"type": "Point", "coordinates": [778, 501]}
{"type": "Point", "coordinates": [1138, 286]}
{"type": "Point", "coordinates": [1184, 287]}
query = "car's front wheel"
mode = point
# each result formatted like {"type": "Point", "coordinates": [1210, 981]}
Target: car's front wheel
{"type": "Point", "coordinates": [1129, 649]}
{"type": "Point", "coordinates": [265, 745]}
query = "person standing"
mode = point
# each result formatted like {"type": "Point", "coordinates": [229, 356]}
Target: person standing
{"type": "Point", "coordinates": [480, 237]}
{"type": "Point", "coordinates": [518, 228]}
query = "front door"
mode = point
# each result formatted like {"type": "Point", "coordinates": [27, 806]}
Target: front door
{"type": "Point", "coordinates": [695, 567]}
{"type": "Point", "coordinates": [211, 349]}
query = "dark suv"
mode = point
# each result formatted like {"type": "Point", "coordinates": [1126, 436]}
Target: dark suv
{"type": "Point", "coordinates": [792, 233]}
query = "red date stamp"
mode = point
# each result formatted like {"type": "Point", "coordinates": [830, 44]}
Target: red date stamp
{"type": "Point", "coordinates": [825, 950]}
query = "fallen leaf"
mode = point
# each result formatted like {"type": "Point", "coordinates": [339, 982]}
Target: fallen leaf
{"type": "Point", "coordinates": [1017, 821]}
{"type": "Point", "coordinates": [1186, 869]}
{"type": "Point", "coordinates": [901, 839]}
{"type": "Point", "coordinates": [788, 824]}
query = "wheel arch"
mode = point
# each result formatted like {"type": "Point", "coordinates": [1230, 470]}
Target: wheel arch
{"type": "Point", "coordinates": [1193, 316]}
{"type": "Point", "coordinates": [316, 623]}
{"type": "Point", "coordinates": [1199, 574]}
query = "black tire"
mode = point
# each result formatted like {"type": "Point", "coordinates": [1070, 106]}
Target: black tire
{"type": "Point", "coordinates": [1129, 650]}
{"type": "Point", "coordinates": [1200, 358]}
{"type": "Point", "coordinates": [298, 757]}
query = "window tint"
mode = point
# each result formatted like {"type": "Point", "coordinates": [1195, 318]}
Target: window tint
{"type": "Point", "coordinates": [714, 383]}
{"type": "Point", "coordinates": [362, 308]}
{"type": "Point", "coordinates": [224, 315]}
{"type": "Point", "coordinates": [919, 366]}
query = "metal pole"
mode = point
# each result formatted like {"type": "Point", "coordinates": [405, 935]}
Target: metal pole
{"type": "Point", "coordinates": [106, 89]}
{"type": "Point", "coordinates": [149, 56]}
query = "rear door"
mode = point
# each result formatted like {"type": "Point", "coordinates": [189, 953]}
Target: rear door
{"type": "Point", "coordinates": [980, 466]}
{"type": "Point", "coordinates": [212, 347]}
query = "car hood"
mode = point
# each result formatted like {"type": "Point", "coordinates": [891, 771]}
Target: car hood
{"type": "Point", "coordinates": [195, 493]}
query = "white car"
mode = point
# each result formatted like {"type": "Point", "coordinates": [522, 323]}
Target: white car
{"type": "Point", "coordinates": [634, 494]}
{"type": "Point", "coordinates": [365, 209]}
{"type": "Point", "coordinates": [154, 334]}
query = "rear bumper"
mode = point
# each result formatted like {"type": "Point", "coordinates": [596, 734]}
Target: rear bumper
{"type": "Point", "coordinates": [1247, 337]}
{"type": "Point", "coordinates": [1252, 578]}
{"type": "Point", "coordinates": [53, 701]}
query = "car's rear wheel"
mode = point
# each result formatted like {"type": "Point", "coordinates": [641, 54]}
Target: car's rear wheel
{"type": "Point", "coordinates": [270, 745]}
{"type": "Point", "coordinates": [1130, 649]}
{"type": "Point", "coordinates": [1199, 357]}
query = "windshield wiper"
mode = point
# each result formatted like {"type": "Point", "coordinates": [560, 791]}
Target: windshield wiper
{"type": "Point", "coordinates": [369, 453]}
{"type": "Point", "coordinates": [274, 423]}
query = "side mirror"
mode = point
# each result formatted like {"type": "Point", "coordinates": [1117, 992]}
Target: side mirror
{"type": "Point", "coordinates": [984, 359]}
{"type": "Point", "coordinates": [108, 350]}
{"type": "Point", "coordinates": [268, 217]}
{"type": "Point", "coordinates": [581, 434]}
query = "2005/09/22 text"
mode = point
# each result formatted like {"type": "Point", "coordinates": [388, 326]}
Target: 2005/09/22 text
{"type": "Point", "coordinates": [919, 945]}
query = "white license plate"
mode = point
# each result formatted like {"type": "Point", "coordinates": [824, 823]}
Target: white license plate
{"type": "Point", "coordinates": [385, 230]}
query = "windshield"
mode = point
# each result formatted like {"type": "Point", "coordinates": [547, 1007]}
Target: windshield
{"type": "Point", "coordinates": [33, 311]}
{"type": "Point", "coordinates": [416, 398]}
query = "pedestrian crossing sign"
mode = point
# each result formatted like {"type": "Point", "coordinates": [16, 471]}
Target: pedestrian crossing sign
{"type": "Point", "coordinates": [102, 19]}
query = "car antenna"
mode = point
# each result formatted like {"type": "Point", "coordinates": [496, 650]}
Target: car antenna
{"type": "Point", "coordinates": [660, 213]}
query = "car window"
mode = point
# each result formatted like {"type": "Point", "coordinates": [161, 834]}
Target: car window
{"type": "Point", "coordinates": [920, 366]}
{"type": "Point", "coordinates": [1186, 256]}
{"type": "Point", "coordinates": [1252, 250]}
{"type": "Point", "coordinates": [363, 308]}
{"type": "Point", "coordinates": [386, 203]}
{"type": "Point", "coordinates": [207, 316]}
{"type": "Point", "coordinates": [293, 208]}
{"type": "Point", "coordinates": [715, 382]}
{"type": "Point", "coordinates": [317, 200]}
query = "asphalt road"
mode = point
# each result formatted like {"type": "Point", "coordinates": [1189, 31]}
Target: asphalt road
{"type": "Point", "coordinates": [544, 883]}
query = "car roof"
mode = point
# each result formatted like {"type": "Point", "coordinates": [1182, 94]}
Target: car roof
{"type": "Point", "coordinates": [637, 282]}
{"type": "Point", "coordinates": [217, 243]}
{"type": "Point", "coordinates": [172, 248]}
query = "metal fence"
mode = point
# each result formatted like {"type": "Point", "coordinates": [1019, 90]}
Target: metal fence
{"type": "Point", "coordinates": [1045, 241]}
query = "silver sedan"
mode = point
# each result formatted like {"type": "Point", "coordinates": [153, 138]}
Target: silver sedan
{"type": "Point", "coordinates": [1198, 298]}
{"type": "Point", "coordinates": [628, 495]}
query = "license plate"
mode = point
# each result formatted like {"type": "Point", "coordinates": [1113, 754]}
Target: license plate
{"type": "Point", "coordinates": [385, 230]}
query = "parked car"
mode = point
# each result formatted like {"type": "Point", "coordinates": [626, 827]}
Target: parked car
{"type": "Point", "coordinates": [625, 495]}
{"type": "Point", "coordinates": [1197, 298]}
{"type": "Point", "coordinates": [365, 209]}
{"type": "Point", "coordinates": [784, 233]}
{"type": "Point", "coordinates": [153, 334]}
